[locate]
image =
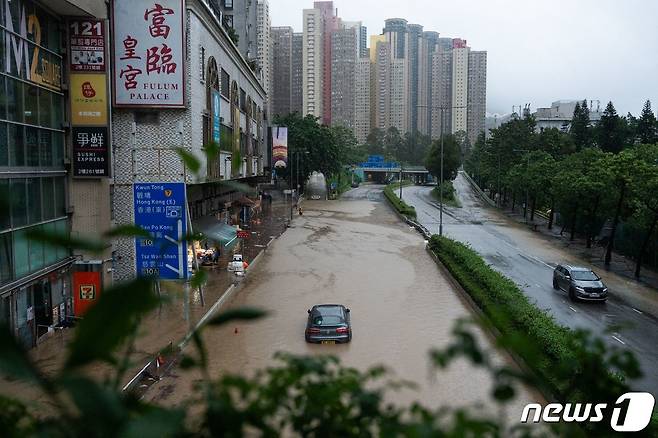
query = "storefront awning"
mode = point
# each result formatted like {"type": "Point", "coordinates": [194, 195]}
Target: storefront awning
{"type": "Point", "coordinates": [218, 232]}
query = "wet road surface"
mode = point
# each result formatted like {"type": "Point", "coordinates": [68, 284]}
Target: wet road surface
{"type": "Point", "coordinates": [354, 252]}
{"type": "Point", "coordinates": [529, 259]}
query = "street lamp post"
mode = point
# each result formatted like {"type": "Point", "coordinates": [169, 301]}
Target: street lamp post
{"type": "Point", "coordinates": [400, 181]}
{"type": "Point", "coordinates": [442, 109]}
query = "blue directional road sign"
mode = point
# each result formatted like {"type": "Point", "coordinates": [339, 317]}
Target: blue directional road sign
{"type": "Point", "coordinates": [160, 210]}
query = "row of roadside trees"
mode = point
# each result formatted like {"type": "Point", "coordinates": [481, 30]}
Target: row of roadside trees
{"type": "Point", "coordinates": [585, 177]}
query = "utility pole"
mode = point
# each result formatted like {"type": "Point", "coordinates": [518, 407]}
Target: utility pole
{"type": "Point", "coordinates": [442, 109]}
{"type": "Point", "coordinates": [400, 181]}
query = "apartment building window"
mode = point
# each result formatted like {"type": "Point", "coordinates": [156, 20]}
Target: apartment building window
{"type": "Point", "coordinates": [228, 4]}
{"type": "Point", "coordinates": [225, 84]}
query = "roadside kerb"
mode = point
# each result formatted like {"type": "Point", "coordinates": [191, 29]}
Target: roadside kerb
{"type": "Point", "coordinates": [154, 363]}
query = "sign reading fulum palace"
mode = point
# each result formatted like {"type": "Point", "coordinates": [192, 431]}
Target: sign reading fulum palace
{"type": "Point", "coordinates": [148, 53]}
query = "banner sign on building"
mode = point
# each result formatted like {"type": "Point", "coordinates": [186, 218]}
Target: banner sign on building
{"type": "Point", "coordinates": [160, 210]}
{"type": "Point", "coordinates": [88, 100]}
{"type": "Point", "coordinates": [25, 28]}
{"type": "Point", "coordinates": [87, 45]}
{"type": "Point", "coordinates": [90, 151]}
{"type": "Point", "coordinates": [216, 119]}
{"type": "Point", "coordinates": [148, 53]}
{"type": "Point", "coordinates": [86, 291]}
{"type": "Point", "coordinates": [279, 146]}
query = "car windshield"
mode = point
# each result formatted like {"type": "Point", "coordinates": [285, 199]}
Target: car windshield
{"type": "Point", "coordinates": [584, 276]}
{"type": "Point", "coordinates": [327, 320]}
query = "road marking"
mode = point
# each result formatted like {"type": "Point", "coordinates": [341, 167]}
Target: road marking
{"type": "Point", "coordinates": [637, 311]}
{"type": "Point", "coordinates": [574, 310]}
{"type": "Point", "coordinates": [538, 285]}
{"type": "Point", "coordinates": [618, 340]}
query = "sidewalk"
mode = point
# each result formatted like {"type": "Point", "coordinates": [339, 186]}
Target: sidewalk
{"type": "Point", "coordinates": [167, 325]}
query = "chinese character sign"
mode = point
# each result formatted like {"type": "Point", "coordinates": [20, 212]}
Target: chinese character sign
{"type": "Point", "coordinates": [160, 210]}
{"type": "Point", "coordinates": [88, 100]}
{"type": "Point", "coordinates": [87, 45]}
{"type": "Point", "coordinates": [90, 152]}
{"type": "Point", "coordinates": [148, 53]}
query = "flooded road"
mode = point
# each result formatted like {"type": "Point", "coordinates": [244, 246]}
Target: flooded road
{"type": "Point", "coordinates": [529, 259]}
{"type": "Point", "coordinates": [354, 252]}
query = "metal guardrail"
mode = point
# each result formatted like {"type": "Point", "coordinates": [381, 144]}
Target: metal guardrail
{"type": "Point", "coordinates": [480, 192]}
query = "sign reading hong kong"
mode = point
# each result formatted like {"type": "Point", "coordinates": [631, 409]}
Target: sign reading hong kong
{"type": "Point", "coordinates": [148, 53]}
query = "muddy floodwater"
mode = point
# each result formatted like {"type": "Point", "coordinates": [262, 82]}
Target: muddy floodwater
{"type": "Point", "coordinates": [354, 252]}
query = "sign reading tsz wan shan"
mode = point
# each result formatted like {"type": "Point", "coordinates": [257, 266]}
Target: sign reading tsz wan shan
{"type": "Point", "coordinates": [149, 53]}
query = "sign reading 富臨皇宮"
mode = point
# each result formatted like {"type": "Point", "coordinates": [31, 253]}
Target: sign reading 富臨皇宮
{"type": "Point", "coordinates": [148, 53]}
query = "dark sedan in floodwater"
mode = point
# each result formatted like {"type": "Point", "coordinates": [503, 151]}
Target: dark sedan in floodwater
{"type": "Point", "coordinates": [328, 324]}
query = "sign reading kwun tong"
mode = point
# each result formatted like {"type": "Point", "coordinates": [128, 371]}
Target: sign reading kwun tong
{"type": "Point", "coordinates": [28, 54]}
{"type": "Point", "coordinates": [148, 50]}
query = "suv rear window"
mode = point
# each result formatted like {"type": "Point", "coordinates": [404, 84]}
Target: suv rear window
{"type": "Point", "coordinates": [327, 320]}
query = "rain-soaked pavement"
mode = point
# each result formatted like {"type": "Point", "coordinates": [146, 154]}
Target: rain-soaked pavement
{"type": "Point", "coordinates": [529, 259]}
{"type": "Point", "coordinates": [355, 252]}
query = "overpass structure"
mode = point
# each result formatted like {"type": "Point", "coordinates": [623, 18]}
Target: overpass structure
{"type": "Point", "coordinates": [378, 170]}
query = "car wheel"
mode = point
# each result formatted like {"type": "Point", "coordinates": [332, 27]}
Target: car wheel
{"type": "Point", "coordinates": [555, 285]}
{"type": "Point", "coordinates": [572, 295]}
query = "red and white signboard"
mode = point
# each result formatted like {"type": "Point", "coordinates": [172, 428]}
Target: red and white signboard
{"type": "Point", "coordinates": [149, 53]}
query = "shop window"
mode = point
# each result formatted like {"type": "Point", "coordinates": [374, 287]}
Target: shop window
{"type": "Point", "coordinates": [19, 202]}
{"type": "Point", "coordinates": [3, 85]}
{"type": "Point", "coordinates": [46, 148]}
{"type": "Point", "coordinates": [32, 146]}
{"type": "Point", "coordinates": [47, 112]}
{"type": "Point", "coordinates": [62, 227]}
{"type": "Point", "coordinates": [4, 145]}
{"type": "Point", "coordinates": [2, 41]}
{"type": "Point", "coordinates": [31, 104]}
{"type": "Point", "coordinates": [243, 100]}
{"type": "Point", "coordinates": [16, 145]}
{"type": "Point", "coordinates": [36, 255]}
{"type": "Point", "coordinates": [34, 200]}
{"type": "Point", "coordinates": [60, 198]}
{"type": "Point", "coordinates": [226, 84]}
{"type": "Point", "coordinates": [14, 100]}
{"type": "Point", "coordinates": [21, 254]}
{"type": "Point", "coordinates": [5, 216]}
{"type": "Point", "coordinates": [58, 149]}
{"type": "Point", "coordinates": [47, 190]}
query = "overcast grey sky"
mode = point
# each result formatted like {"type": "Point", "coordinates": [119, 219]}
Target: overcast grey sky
{"type": "Point", "coordinates": [538, 51]}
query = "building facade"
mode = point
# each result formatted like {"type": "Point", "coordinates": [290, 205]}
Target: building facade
{"type": "Point", "coordinates": [297, 91]}
{"type": "Point", "coordinates": [477, 94]}
{"type": "Point", "coordinates": [344, 56]}
{"type": "Point", "coordinates": [264, 53]}
{"type": "Point", "coordinates": [312, 63]}
{"type": "Point", "coordinates": [38, 192]}
{"type": "Point", "coordinates": [145, 140]}
{"type": "Point", "coordinates": [425, 106]}
{"type": "Point", "coordinates": [282, 87]}
{"type": "Point", "coordinates": [362, 100]}
{"type": "Point", "coordinates": [460, 55]}
{"type": "Point", "coordinates": [441, 116]}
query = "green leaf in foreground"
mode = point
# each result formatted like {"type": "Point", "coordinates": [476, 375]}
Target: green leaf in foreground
{"type": "Point", "coordinates": [191, 162]}
{"type": "Point", "coordinates": [241, 314]}
{"type": "Point", "coordinates": [107, 325]}
{"type": "Point", "coordinates": [63, 240]}
{"type": "Point", "coordinates": [128, 231]}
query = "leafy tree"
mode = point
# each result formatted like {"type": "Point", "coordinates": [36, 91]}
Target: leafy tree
{"type": "Point", "coordinates": [621, 168]}
{"type": "Point", "coordinates": [611, 130]}
{"type": "Point", "coordinates": [392, 142]}
{"type": "Point", "coordinates": [375, 142]}
{"type": "Point", "coordinates": [451, 158]}
{"type": "Point", "coordinates": [580, 130]}
{"type": "Point", "coordinates": [555, 142]}
{"type": "Point", "coordinates": [645, 182]}
{"type": "Point", "coordinates": [647, 130]}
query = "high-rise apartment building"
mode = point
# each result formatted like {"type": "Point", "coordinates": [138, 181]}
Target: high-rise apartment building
{"type": "Point", "coordinates": [373, 53]}
{"type": "Point", "coordinates": [297, 74]}
{"type": "Point", "coordinates": [477, 94]}
{"type": "Point", "coordinates": [264, 53]}
{"type": "Point", "coordinates": [382, 85]}
{"type": "Point", "coordinates": [415, 41]}
{"type": "Point", "coordinates": [312, 62]}
{"type": "Point", "coordinates": [362, 36]}
{"type": "Point", "coordinates": [460, 57]}
{"type": "Point", "coordinates": [362, 100]}
{"type": "Point", "coordinates": [441, 116]}
{"type": "Point", "coordinates": [399, 103]}
{"type": "Point", "coordinates": [282, 66]}
{"type": "Point", "coordinates": [329, 23]}
{"type": "Point", "coordinates": [241, 16]}
{"type": "Point", "coordinates": [344, 51]}
{"type": "Point", "coordinates": [425, 106]}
